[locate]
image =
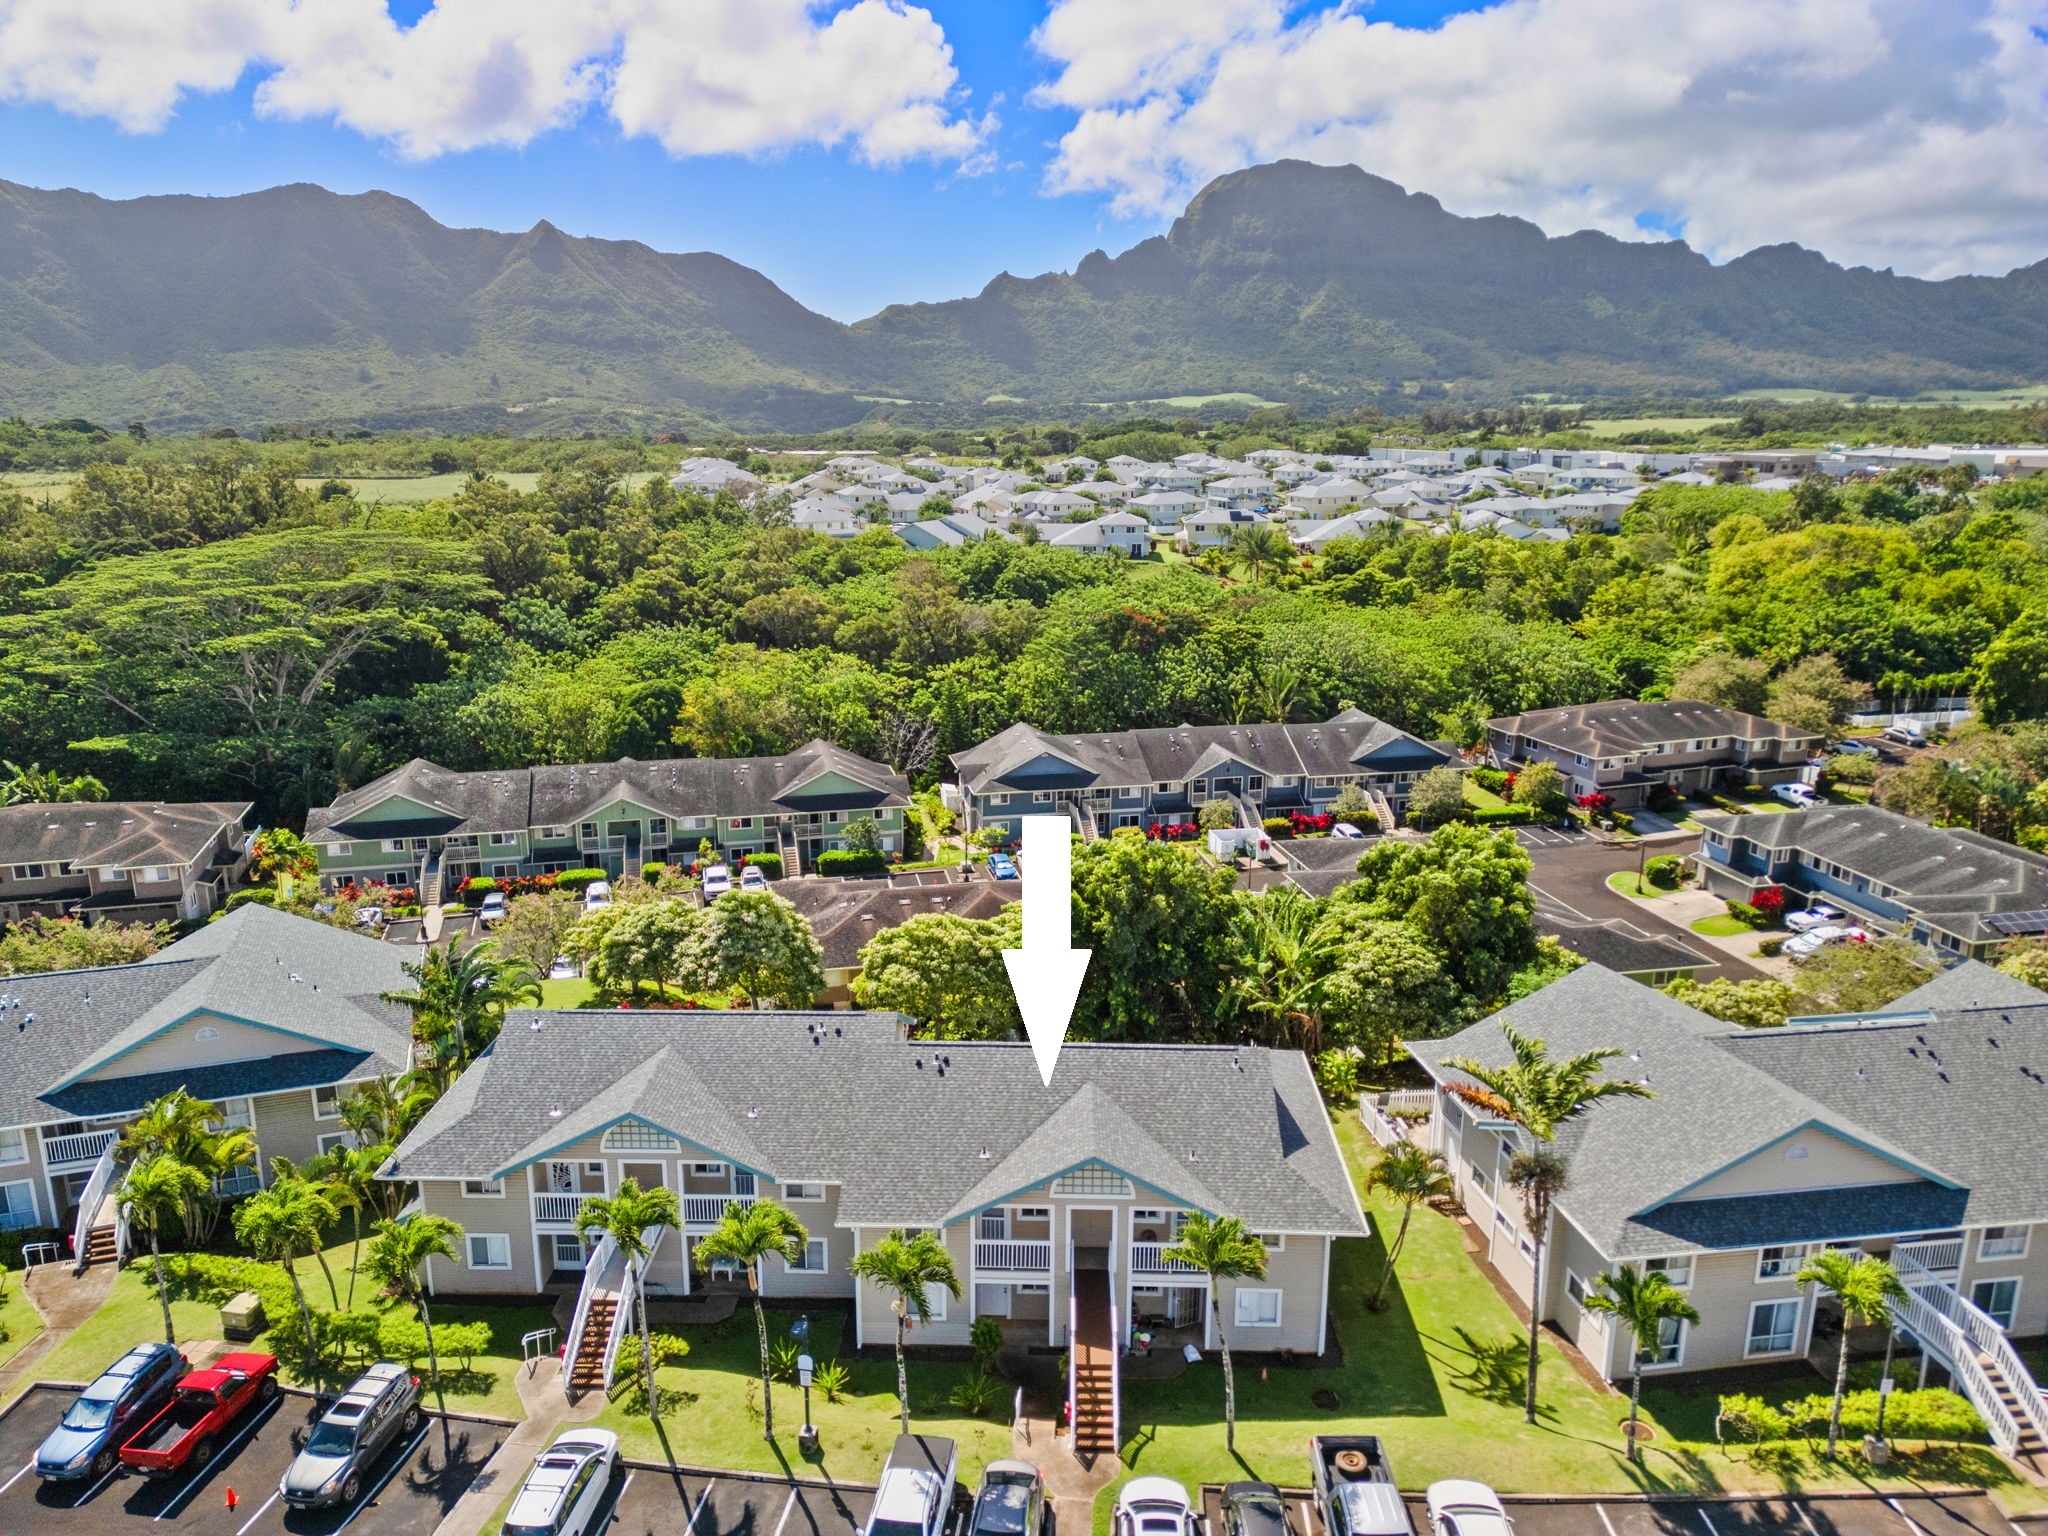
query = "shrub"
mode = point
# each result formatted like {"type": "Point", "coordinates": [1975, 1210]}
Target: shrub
{"type": "Point", "coordinates": [782, 1356]}
{"type": "Point", "coordinates": [1771, 946]}
{"type": "Point", "coordinates": [1664, 870]}
{"type": "Point", "coordinates": [580, 879]}
{"type": "Point", "coordinates": [1493, 780]}
{"type": "Point", "coordinates": [1172, 831]}
{"type": "Point", "coordinates": [653, 872]}
{"type": "Point", "coordinates": [1662, 797]}
{"type": "Point", "coordinates": [475, 889]}
{"type": "Point", "coordinates": [832, 1379]}
{"type": "Point", "coordinates": [1502, 815]}
{"type": "Point", "coordinates": [1278, 826]}
{"type": "Point", "coordinates": [1746, 914]}
{"type": "Point", "coordinates": [1216, 815]}
{"type": "Point", "coordinates": [1137, 832]}
{"type": "Point", "coordinates": [11, 1243]}
{"type": "Point", "coordinates": [845, 861]}
{"type": "Point", "coordinates": [1847, 768]}
{"type": "Point", "coordinates": [1596, 803]}
{"type": "Point", "coordinates": [987, 1339]}
{"type": "Point", "coordinates": [770, 864]}
{"type": "Point", "coordinates": [1337, 1075]}
{"type": "Point", "coordinates": [976, 1394]}
{"type": "Point", "coordinates": [1623, 822]}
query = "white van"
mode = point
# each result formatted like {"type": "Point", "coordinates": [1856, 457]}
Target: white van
{"type": "Point", "coordinates": [567, 1486]}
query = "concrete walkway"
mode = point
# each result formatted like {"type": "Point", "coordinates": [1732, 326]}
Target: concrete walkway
{"type": "Point", "coordinates": [63, 1302]}
{"type": "Point", "coordinates": [1683, 908]}
{"type": "Point", "coordinates": [1070, 1483]}
{"type": "Point", "coordinates": [546, 1411]}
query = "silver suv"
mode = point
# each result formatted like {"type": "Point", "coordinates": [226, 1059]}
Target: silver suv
{"type": "Point", "coordinates": [381, 1409]}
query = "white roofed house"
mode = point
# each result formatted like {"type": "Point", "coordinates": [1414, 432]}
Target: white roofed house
{"type": "Point", "coordinates": [1068, 468]}
{"type": "Point", "coordinates": [1163, 509]}
{"type": "Point", "coordinates": [1050, 506]}
{"type": "Point", "coordinates": [1316, 534]}
{"type": "Point", "coordinates": [837, 516]}
{"type": "Point", "coordinates": [1164, 477]}
{"type": "Point", "coordinates": [1054, 1202]}
{"type": "Point", "coordinates": [1246, 491]}
{"type": "Point", "coordinates": [1114, 533]}
{"type": "Point", "coordinates": [1212, 527]}
{"type": "Point", "coordinates": [703, 474]}
{"type": "Point", "coordinates": [1326, 498]}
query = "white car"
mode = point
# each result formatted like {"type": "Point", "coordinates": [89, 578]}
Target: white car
{"type": "Point", "coordinates": [369, 917]}
{"type": "Point", "coordinates": [1457, 1507]}
{"type": "Point", "coordinates": [717, 881]}
{"type": "Point", "coordinates": [567, 1486]}
{"type": "Point", "coordinates": [564, 969]}
{"type": "Point", "coordinates": [1814, 940]}
{"type": "Point", "coordinates": [1801, 795]}
{"type": "Point", "coordinates": [597, 895]}
{"type": "Point", "coordinates": [1818, 915]}
{"type": "Point", "coordinates": [1345, 829]}
{"type": "Point", "coordinates": [493, 908]}
{"type": "Point", "coordinates": [1153, 1506]}
{"type": "Point", "coordinates": [1853, 746]}
{"type": "Point", "coordinates": [752, 879]}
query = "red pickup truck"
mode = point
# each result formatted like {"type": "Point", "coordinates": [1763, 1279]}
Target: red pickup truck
{"type": "Point", "coordinates": [201, 1411]}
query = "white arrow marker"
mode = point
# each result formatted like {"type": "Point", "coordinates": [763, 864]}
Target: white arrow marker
{"type": "Point", "coordinates": [1046, 973]}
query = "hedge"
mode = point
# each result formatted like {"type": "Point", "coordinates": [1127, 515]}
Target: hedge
{"type": "Point", "coordinates": [653, 871]}
{"type": "Point", "coordinates": [1491, 816]}
{"type": "Point", "coordinates": [1279, 826]}
{"type": "Point", "coordinates": [476, 888]}
{"type": "Point", "coordinates": [579, 879]}
{"type": "Point", "coordinates": [844, 861]}
{"type": "Point", "coordinates": [770, 864]}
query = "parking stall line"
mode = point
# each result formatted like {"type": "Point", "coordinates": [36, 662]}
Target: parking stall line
{"type": "Point", "coordinates": [397, 1466]}
{"type": "Point", "coordinates": [1708, 1523]}
{"type": "Point", "coordinates": [275, 1495]}
{"type": "Point", "coordinates": [26, 1468]}
{"type": "Point", "coordinates": [87, 1497]}
{"type": "Point", "coordinates": [788, 1504]}
{"type": "Point", "coordinates": [702, 1499]}
{"type": "Point", "coordinates": [1912, 1525]}
{"type": "Point", "coordinates": [1604, 1521]}
{"type": "Point", "coordinates": [1308, 1519]}
{"type": "Point", "coordinates": [171, 1510]}
{"type": "Point", "coordinates": [1806, 1520]}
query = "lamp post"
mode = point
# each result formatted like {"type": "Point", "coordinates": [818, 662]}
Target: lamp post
{"type": "Point", "coordinates": [807, 1437]}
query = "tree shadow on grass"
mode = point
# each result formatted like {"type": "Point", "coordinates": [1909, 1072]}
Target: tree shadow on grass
{"type": "Point", "coordinates": [1495, 1370]}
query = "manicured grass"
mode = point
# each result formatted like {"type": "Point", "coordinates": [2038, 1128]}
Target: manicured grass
{"type": "Point", "coordinates": [714, 1418]}
{"type": "Point", "coordinates": [1721, 926]}
{"type": "Point", "coordinates": [1438, 1376]}
{"type": "Point", "coordinates": [131, 1316]}
{"type": "Point", "coordinates": [19, 1320]}
{"type": "Point", "coordinates": [1623, 883]}
{"type": "Point", "coordinates": [570, 992]}
{"type": "Point", "coordinates": [1484, 799]}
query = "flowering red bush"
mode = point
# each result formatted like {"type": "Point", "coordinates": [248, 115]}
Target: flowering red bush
{"type": "Point", "coordinates": [1770, 900]}
{"type": "Point", "coordinates": [1172, 831]}
{"type": "Point", "coordinates": [1595, 802]}
{"type": "Point", "coordinates": [1299, 822]}
{"type": "Point", "coordinates": [1507, 786]}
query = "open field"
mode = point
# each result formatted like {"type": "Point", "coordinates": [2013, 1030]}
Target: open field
{"type": "Point", "coordinates": [371, 488]}
{"type": "Point", "coordinates": [1626, 426]}
{"type": "Point", "coordinates": [2033, 394]}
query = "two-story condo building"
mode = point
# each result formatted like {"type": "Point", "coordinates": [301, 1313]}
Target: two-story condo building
{"type": "Point", "coordinates": [136, 861]}
{"type": "Point", "coordinates": [1134, 778]}
{"type": "Point", "coordinates": [1916, 1134]}
{"type": "Point", "coordinates": [1959, 891]}
{"type": "Point", "coordinates": [1624, 748]}
{"type": "Point", "coordinates": [1056, 1203]}
{"type": "Point", "coordinates": [422, 822]}
{"type": "Point", "coordinates": [267, 1015]}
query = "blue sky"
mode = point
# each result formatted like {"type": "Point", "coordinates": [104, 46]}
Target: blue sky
{"type": "Point", "coordinates": [1045, 145]}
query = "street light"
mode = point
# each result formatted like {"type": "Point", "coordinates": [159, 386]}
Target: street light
{"type": "Point", "coordinates": [807, 1437]}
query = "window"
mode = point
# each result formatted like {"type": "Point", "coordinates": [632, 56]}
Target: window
{"type": "Point", "coordinates": [1670, 1346]}
{"type": "Point", "coordinates": [639, 1136]}
{"type": "Point", "coordinates": [17, 1205]}
{"type": "Point", "coordinates": [155, 874]}
{"type": "Point", "coordinates": [393, 845]}
{"type": "Point", "coordinates": [1776, 1263]}
{"type": "Point", "coordinates": [1034, 1213]}
{"type": "Point", "coordinates": [206, 1032]}
{"type": "Point", "coordinates": [1678, 1271]}
{"type": "Point", "coordinates": [1574, 1287]}
{"type": "Point", "coordinates": [33, 871]}
{"type": "Point", "coordinates": [1092, 1179]}
{"type": "Point", "coordinates": [741, 824]}
{"type": "Point", "coordinates": [1999, 1298]}
{"type": "Point", "coordinates": [1258, 1308]}
{"type": "Point", "coordinates": [995, 800]}
{"type": "Point", "coordinates": [1480, 1181]}
{"type": "Point", "coordinates": [707, 1170]}
{"type": "Point", "coordinates": [935, 1299]}
{"type": "Point", "coordinates": [814, 1260]}
{"type": "Point", "coordinates": [1041, 797]}
{"type": "Point", "coordinates": [554, 834]}
{"type": "Point", "coordinates": [336, 1141]}
{"type": "Point", "coordinates": [1773, 1328]}
{"type": "Point", "coordinates": [1453, 1113]}
{"type": "Point", "coordinates": [1169, 788]}
{"type": "Point", "coordinates": [568, 1249]}
{"type": "Point", "coordinates": [13, 1146]}
{"type": "Point", "coordinates": [327, 1102]}
{"type": "Point", "coordinates": [1325, 783]}
{"type": "Point", "coordinates": [2002, 1243]}
{"type": "Point", "coordinates": [490, 1250]}
{"type": "Point", "coordinates": [1273, 1242]}
{"type": "Point", "coordinates": [796, 1191]}
{"type": "Point", "coordinates": [1034, 1289]}
{"type": "Point", "coordinates": [504, 839]}
{"type": "Point", "coordinates": [340, 850]}
{"type": "Point", "coordinates": [484, 1189]}
{"type": "Point", "coordinates": [504, 871]}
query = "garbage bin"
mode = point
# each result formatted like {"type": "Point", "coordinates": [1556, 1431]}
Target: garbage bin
{"type": "Point", "coordinates": [241, 1317]}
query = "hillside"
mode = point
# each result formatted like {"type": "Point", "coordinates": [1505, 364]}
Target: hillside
{"type": "Point", "coordinates": [1318, 285]}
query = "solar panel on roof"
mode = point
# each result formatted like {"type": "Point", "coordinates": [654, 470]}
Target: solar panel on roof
{"type": "Point", "coordinates": [2010, 923]}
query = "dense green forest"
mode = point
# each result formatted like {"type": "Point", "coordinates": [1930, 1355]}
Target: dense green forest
{"type": "Point", "coordinates": [220, 629]}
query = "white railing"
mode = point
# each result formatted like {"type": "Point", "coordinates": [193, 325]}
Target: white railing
{"type": "Point", "coordinates": [1149, 1259]}
{"type": "Point", "coordinates": [89, 1202]}
{"type": "Point", "coordinates": [1949, 1325]}
{"type": "Point", "coordinates": [558, 1208]}
{"type": "Point", "coordinates": [1116, 1379]}
{"type": "Point", "coordinates": [1073, 1358]}
{"type": "Point", "coordinates": [81, 1147]}
{"type": "Point", "coordinates": [621, 1323]}
{"type": "Point", "coordinates": [709, 1210]}
{"type": "Point", "coordinates": [1944, 1255]}
{"type": "Point", "coordinates": [1028, 1256]}
{"type": "Point", "coordinates": [244, 1180]}
{"type": "Point", "coordinates": [594, 1268]}
{"type": "Point", "coordinates": [1383, 1113]}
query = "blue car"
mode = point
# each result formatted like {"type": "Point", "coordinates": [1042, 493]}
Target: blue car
{"type": "Point", "coordinates": [1001, 867]}
{"type": "Point", "coordinates": [128, 1394]}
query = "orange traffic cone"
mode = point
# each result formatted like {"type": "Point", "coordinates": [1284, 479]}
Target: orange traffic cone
{"type": "Point", "coordinates": [231, 1498]}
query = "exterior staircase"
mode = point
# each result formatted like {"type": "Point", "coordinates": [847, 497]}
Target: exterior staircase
{"type": "Point", "coordinates": [2030, 1449]}
{"type": "Point", "coordinates": [430, 884]}
{"type": "Point", "coordinates": [1095, 1381]}
{"type": "Point", "coordinates": [586, 1371]}
{"type": "Point", "coordinates": [1383, 812]}
{"type": "Point", "coordinates": [101, 1246]}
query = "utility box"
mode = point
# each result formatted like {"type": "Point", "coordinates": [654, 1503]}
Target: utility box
{"type": "Point", "coordinates": [241, 1317]}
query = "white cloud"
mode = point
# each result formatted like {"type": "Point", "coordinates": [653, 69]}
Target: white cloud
{"type": "Point", "coordinates": [700, 76]}
{"type": "Point", "coordinates": [1908, 133]}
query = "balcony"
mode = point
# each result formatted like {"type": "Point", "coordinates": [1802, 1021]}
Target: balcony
{"type": "Point", "coordinates": [1013, 1256]}
{"type": "Point", "coordinates": [237, 1182]}
{"type": "Point", "coordinates": [557, 1209]}
{"type": "Point", "coordinates": [1943, 1256]}
{"type": "Point", "coordinates": [1147, 1259]}
{"type": "Point", "coordinates": [81, 1147]}
{"type": "Point", "coordinates": [709, 1210]}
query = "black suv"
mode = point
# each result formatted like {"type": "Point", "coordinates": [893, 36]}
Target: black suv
{"type": "Point", "coordinates": [383, 1407]}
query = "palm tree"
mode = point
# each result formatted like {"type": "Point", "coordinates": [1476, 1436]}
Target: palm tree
{"type": "Point", "coordinates": [1537, 1095]}
{"type": "Point", "coordinates": [196, 1133]}
{"type": "Point", "coordinates": [907, 1267]}
{"type": "Point", "coordinates": [349, 1174]}
{"type": "Point", "coordinates": [1220, 1247]}
{"type": "Point", "coordinates": [1409, 1176]}
{"type": "Point", "coordinates": [457, 1002]}
{"type": "Point", "coordinates": [37, 785]}
{"type": "Point", "coordinates": [155, 1190]}
{"type": "Point", "coordinates": [1641, 1303]}
{"type": "Point", "coordinates": [382, 1110]}
{"type": "Point", "coordinates": [313, 1173]}
{"type": "Point", "coordinates": [1282, 956]}
{"type": "Point", "coordinates": [1868, 1288]}
{"type": "Point", "coordinates": [398, 1251]}
{"type": "Point", "coordinates": [746, 1235]}
{"type": "Point", "coordinates": [626, 1218]}
{"type": "Point", "coordinates": [281, 1222]}
{"type": "Point", "coordinates": [1258, 551]}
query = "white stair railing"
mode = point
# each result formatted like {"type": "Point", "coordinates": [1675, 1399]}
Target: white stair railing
{"type": "Point", "coordinates": [594, 1269]}
{"type": "Point", "coordinates": [89, 1205]}
{"type": "Point", "coordinates": [1116, 1378]}
{"type": "Point", "coordinates": [1955, 1328]}
{"type": "Point", "coordinates": [1073, 1359]}
{"type": "Point", "coordinates": [628, 1283]}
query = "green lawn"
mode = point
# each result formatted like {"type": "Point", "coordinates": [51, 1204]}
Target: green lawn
{"type": "Point", "coordinates": [1483, 799]}
{"type": "Point", "coordinates": [19, 1320]}
{"type": "Point", "coordinates": [1623, 883]}
{"type": "Point", "coordinates": [1721, 926]}
{"type": "Point", "coordinates": [1439, 1377]}
{"type": "Point", "coordinates": [571, 992]}
{"type": "Point", "coordinates": [714, 1418]}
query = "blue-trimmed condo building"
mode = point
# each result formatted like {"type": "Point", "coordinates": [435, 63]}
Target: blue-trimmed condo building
{"type": "Point", "coordinates": [1133, 778]}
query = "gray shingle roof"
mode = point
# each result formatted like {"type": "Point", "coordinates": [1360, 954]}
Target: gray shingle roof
{"type": "Point", "coordinates": [1973, 984]}
{"type": "Point", "coordinates": [901, 1125]}
{"type": "Point", "coordinates": [1630, 725]}
{"type": "Point", "coordinates": [845, 914]}
{"type": "Point", "coordinates": [113, 834]}
{"type": "Point", "coordinates": [316, 986]}
{"type": "Point", "coordinates": [1619, 946]}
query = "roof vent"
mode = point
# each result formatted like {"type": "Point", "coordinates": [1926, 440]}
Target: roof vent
{"type": "Point", "coordinates": [555, 1113]}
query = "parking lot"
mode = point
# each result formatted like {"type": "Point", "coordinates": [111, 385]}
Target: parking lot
{"type": "Point", "coordinates": [409, 1491]}
{"type": "Point", "coordinates": [652, 1501]}
{"type": "Point", "coordinates": [1867, 1515]}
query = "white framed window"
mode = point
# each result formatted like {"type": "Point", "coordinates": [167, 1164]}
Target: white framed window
{"type": "Point", "coordinates": [504, 839]}
{"type": "Point", "coordinates": [13, 1145]}
{"type": "Point", "coordinates": [1481, 1181]}
{"type": "Point", "coordinates": [1273, 1242]}
{"type": "Point", "coordinates": [1034, 1288]}
{"type": "Point", "coordinates": [1258, 1308]}
{"type": "Point", "coordinates": [1034, 1213]}
{"type": "Point", "coordinates": [1999, 1298]}
{"type": "Point", "coordinates": [156, 874]}
{"type": "Point", "coordinates": [490, 1250]}
{"type": "Point", "coordinates": [568, 1250]}
{"type": "Point", "coordinates": [2002, 1243]}
{"type": "Point", "coordinates": [335, 1141]}
{"type": "Point", "coordinates": [801, 1191]}
{"type": "Point", "coordinates": [707, 1170]}
{"type": "Point", "coordinates": [327, 1102]}
{"type": "Point", "coordinates": [18, 1205]}
{"type": "Point", "coordinates": [1677, 1270]}
{"type": "Point", "coordinates": [1773, 1328]}
{"type": "Point", "coordinates": [1777, 1263]}
{"type": "Point", "coordinates": [393, 845]}
{"type": "Point", "coordinates": [1003, 799]}
{"type": "Point", "coordinates": [552, 834]}
{"type": "Point", "coordinates": [33, 871]}
{"type": "Point", "coordinates": [340, 850]}
{"type": "Point", "coordinates": [1575, 1287]}
{"type": "Point", "coordinates": [741, 824]}
{"type": "Point", "coordinates": [483, 1189]}
{"type": "Point", "coordinates": [935, 1299]}
{"type": "Point", "coordinates": [813, 1261]}
{"type": "Point", "coordinates": [1669, 1349]}
{"type": "Point", "coordinates": [504, 871]}
{"type": "Point", "coordinates": [1041, 797]}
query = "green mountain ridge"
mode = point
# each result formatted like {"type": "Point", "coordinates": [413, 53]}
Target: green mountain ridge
{"type": "Point", "coordinates": [1321, 285]}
